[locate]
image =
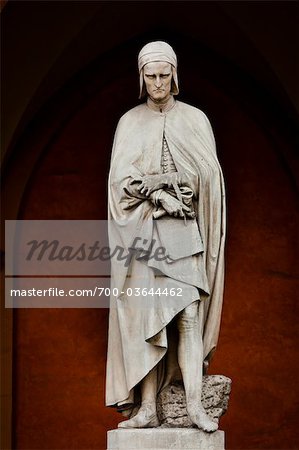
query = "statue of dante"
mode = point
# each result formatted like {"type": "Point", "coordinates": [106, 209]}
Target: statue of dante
{"type": "Point", "coordinates": [166, 187]}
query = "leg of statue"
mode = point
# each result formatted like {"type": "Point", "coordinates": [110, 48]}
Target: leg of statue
{"type": "Point", "coordinates": [172, 371]}
{"type": "Point", "coordinates": [190, 359]}
{"type": "Point", "coordinates": [147, 413]}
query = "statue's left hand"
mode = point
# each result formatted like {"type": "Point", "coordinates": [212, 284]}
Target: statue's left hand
{"type": "Point", "coordinates": [149, 184]}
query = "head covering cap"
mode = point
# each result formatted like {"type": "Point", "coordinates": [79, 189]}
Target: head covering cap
{"type": "Point", "coordinates": [158, 51]}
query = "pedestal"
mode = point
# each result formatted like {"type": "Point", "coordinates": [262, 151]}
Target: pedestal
{"type": "Point", "coordinates": [165, 438]}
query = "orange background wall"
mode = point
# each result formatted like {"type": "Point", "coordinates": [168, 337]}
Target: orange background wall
{"type": "Point", "coordinates": [59, 355]}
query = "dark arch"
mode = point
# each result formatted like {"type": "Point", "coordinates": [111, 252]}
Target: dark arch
{"type": "Point", "coordinates": [215, 86]}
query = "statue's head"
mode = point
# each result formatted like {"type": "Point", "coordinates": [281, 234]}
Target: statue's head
{"type": "Point", "coordinates": [157, 64]}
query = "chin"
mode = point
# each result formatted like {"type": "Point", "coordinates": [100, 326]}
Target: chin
{"type": "Point", "coordinates": [159, 97]}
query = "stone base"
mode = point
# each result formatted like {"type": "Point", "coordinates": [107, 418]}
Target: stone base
{"type": "Point", "coordinates": [165, 438]}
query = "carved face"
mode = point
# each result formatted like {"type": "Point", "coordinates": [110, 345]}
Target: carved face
{"type": "Point", "coordinates": [157, 79]}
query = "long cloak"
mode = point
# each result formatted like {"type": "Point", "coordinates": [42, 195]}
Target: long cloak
{"type": "Point", "coordinates": [137, 339]}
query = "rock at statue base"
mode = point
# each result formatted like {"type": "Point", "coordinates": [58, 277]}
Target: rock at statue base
{"type": "Point", "coordinates": [171, 404]}
{"type": "Point", "coordinates": [163, 438]}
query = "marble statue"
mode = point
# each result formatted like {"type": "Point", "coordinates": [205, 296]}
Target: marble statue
{"type": "Point", "coordinates": [166, 187]}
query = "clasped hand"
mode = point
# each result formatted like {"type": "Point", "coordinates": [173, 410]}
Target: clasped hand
{"type": "Point", "coordinates": [150, 183]}
{"type": "Point", "coordinates": [174, 207]}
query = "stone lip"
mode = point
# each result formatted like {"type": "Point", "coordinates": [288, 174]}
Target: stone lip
{"type": "Point", "coordinates": [171, 402]}
{"type": "Point", "coordinates": [165, 438]}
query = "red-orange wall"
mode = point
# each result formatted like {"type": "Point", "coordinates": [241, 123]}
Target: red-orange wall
{"type": "Point", "coordinates": [59, 362]}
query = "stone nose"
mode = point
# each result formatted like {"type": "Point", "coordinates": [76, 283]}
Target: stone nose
{"type": "Point", "coordinates": [158, 82]}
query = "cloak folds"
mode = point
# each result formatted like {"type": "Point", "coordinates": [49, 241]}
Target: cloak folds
{"type": "Point", "coordinates": [137, 325]}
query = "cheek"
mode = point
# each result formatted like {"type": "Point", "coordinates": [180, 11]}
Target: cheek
{"type": "Point", "coordinates": [147, 85]}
